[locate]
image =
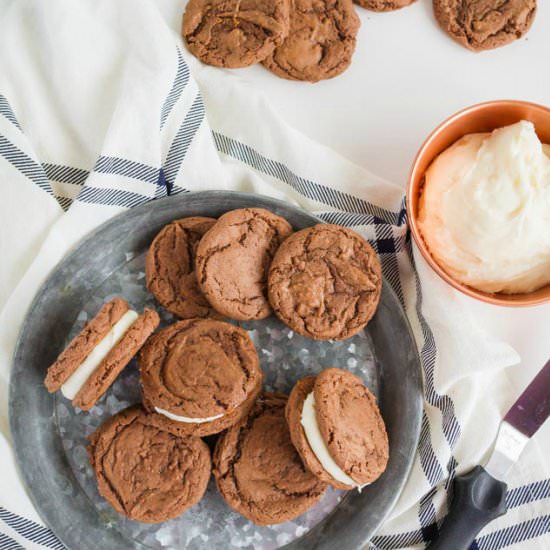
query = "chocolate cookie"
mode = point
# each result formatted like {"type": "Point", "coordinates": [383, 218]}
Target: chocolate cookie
{"type": "Point", "coordinates": [233, 259]}
{"type": "Point", "coordinates": [234, 33]}
{"type": "Point", "coordinates": [320, 43]}
{"type": "Point", "coordinates": [201, 375]}
{"type": "Point", "coordinates": [337, 429]}
{"type": "Point", "coordinates": [257, 469]}
{"type": "Point", "coordinates": [325, 282]}
{"type": "Point", "coordinates": [170, 268]}
{"type": "Point", "coordinates": [384, 5]}
{"type": "Point", "coordinates": [145, 473]}
{"type": "Point", "coordinates": [95, 357]}
{"type": "Point", "coordinates": [293, 413]}
{"type": "Point", "coordinates": [485, 24]}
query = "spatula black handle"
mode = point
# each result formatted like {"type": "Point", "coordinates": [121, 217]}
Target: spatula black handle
{"type": "Point", "coordinates": [478, 499]}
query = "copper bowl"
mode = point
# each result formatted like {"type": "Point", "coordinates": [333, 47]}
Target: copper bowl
{"type": "Point", "coordinates": [483, 117]}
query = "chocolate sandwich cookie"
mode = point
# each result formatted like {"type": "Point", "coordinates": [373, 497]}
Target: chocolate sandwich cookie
{"type": "Point", "coordinates": [201, 375]}
{"type": "Point", "coordinates": [257, 469]}
{"type": "Point", "coordinates": [325, 282]}
{"type": "Point", "coordinates": [383, 5]}
{"type": "Point", "coordinates": [485, 24]}
{"type": "Point", "coordinates": [146, 473]}
{"type": "Point", "coordinates": [170, 268]}
{"type": "Point", "coordinates": [95, 357]}
{"type": "Point", "coordinates": [233, 259]}
{"type": "Point", "coordinates": [337, 429]}
{"type": "Point", "coordinates": [234, 33]}
{"type": "Point", "coordinates": [320, 43]}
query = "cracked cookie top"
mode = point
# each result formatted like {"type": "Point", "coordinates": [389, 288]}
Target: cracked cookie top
{"type": "Point", "coordinates": [170, 268]}
{"type": "Point", "coordinates": [325, 282]}
{"type": "Point", "coordinates": [320, 43]}
{"type": "Point", "coordinates": [485, 24]}
{"type": "Point", "coordinates": [199, 368]}
{"type": "Point", "coordinates": [257, 469]}
{"type": "Point", "coordinates": [233, 259]}
{"type": "Point", "coordinates": [234, 33]}
{"type": "Point", "coordinates": [146, 473]}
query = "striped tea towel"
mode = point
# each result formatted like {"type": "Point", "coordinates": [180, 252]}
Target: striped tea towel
{"type": "Point", "coordinates": [99, 113]}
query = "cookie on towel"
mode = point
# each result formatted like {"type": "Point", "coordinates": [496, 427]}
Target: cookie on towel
{"type": "Point", "coordinates": [320, 43]}
{"type": "Point", "coordinates": [96, 356]}
{"type": "Point", "coordinates": [170, 268]}
{"type": "Point", "coordinates": [325, 282]}
{"type": "Point", "coordinates": [233, 259]}
{"type": "Point", "coordinates": [146, 473]}
{"type": "Point", "coordinates": [234, 33]}
{"type": "Point", "coordinates": [201, 375]}
{"type": "Point", "coordinates": [337, 429]}
{"type": "Point", "coordinates": [485, 24]}
{"type": "Point", "coordinates": [257, 469]}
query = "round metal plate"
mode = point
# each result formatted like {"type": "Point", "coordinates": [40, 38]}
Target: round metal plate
{"type": "Point", "coordinates": [54, 476]}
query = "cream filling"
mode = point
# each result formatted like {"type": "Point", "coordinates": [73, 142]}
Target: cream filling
{"type": "Point", "coordinates": [485, 210]}
{"type": "Point", "coordinates": [187, 419]}
{"type": "Point", "coordinates": [318, 445]}
{"type": "Point", "coordinates": [80, 376]}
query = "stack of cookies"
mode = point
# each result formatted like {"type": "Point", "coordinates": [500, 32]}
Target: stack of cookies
{"type": "Point", "coordinates": [313, 40]}
{"type": "Point", "coordinates": [201, 376]}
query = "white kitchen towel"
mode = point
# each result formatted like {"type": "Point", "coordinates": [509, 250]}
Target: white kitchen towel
{"type": "Point", "coordinates": [99, 113]}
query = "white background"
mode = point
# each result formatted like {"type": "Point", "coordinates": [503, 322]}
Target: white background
{"type": "Point", "coordinates": [406, 77]}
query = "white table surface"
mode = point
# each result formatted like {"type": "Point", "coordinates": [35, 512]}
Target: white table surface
{"type": "Point", "coordinates": [405, 78]}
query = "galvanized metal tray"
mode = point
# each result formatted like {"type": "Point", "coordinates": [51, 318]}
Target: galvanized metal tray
{"type": "Point", "coordinates": [50, 436]}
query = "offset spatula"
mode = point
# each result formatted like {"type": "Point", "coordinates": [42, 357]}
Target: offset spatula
{"type": "Point", "coordinates": [479, 496]}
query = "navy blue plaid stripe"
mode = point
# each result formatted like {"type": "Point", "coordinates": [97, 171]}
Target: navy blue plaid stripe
{"type": "Point", "coordinates": [451, 469]}
{"type": "Point", "coordinates": [528, 493]}
{"type": "Point", "coordinates": [394, 242]}
{"type": "Point", "coordinates": [7, 111]}
{"type": "Point", "coordinates": [31, 530]}
{"type": "Point", "coordinates": [427, 516]}
{"type": "Point", "coordinates": [401, 540]}
{"type": "Point", "coordinates": [180, 82]}
{"type": "Point", "coordinates": [65, 174]}
{"type": "Point", "coordinates": [182, 141]}
{"type": "Point", "coordinates": [514, 534]}
{"type": "Point", "coordinates": [111, 197]}
{"type": "Point", "coordinates": [64, 202]}
{"type": "Point", "coordinates": [127, 168]}
{"type": "Point", "coordinates": [428, 460]}
{"type": "Point", "coordinates": [25, 164]}
{"type": "Point", "coordinates": [31, 169]}
{"type": "Point", "coordinates": [7, 543]}
{"type": "Point", "coordinates": [307, 188]}
{"type": "Point", "coordinates": [163, 187]}
{"type": "Point", "coordinates": [390, 269]}
{"type": "Point", "coordinates": [450, 425]}
{"type": "Point", "coordinates": [349, 219]}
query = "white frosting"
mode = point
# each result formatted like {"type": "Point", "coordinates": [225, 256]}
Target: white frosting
{"type": "Point", "coordinates": [485, 210]}
{"type": "Point", "coordinates": [187, 419]}
{"type": "Point", "coordinates": [79, 377]}
{"type": "Point", "coordinates": [318, 445]}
